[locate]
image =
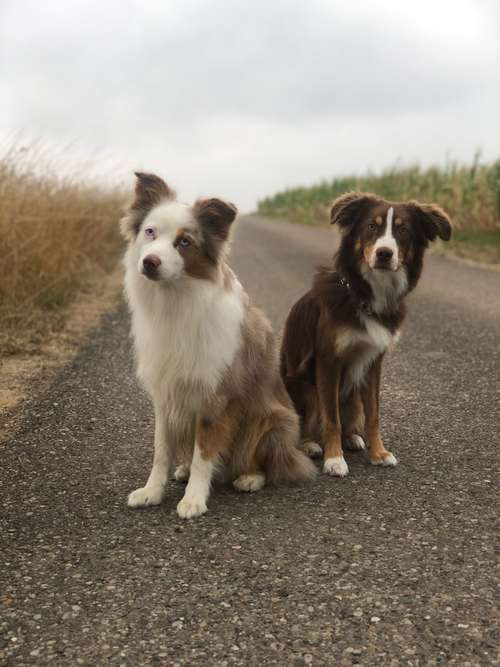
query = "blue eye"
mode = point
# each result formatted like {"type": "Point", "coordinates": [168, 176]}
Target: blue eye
{"type": "Point", "coordinates": [149, 232]}
{"type": "Point", "coordinates": [184, 242]}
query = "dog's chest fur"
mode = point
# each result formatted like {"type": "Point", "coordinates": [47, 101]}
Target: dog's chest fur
{"type": "Point", "coordinates": [361, 347]}
{"type": "Point", "coordinates": [185, 337]}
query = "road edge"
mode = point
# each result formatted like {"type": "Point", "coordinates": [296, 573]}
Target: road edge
{"type": "Point", "coordinates": [23, 374]}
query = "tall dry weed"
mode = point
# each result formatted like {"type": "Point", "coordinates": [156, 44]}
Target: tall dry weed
{"type": "Point", "coordinates": [55, 233]}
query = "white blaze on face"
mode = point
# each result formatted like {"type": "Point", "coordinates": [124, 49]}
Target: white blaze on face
{"type": "Point", "coordinates": [165, 220]}
{"type": "Point", "coordinates": [387, 241]}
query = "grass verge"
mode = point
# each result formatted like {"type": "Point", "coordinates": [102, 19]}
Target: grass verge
{"type": "Point", "coordinates": [480, 245]}
{"type": "Point", "coordinates": [57, 236]}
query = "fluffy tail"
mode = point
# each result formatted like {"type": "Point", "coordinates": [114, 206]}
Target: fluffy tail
{"type": "Point", "coordinates": [278, 450]}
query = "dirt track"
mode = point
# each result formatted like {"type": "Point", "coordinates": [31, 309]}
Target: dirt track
{"type": "Point", "coordinates": [388, 566]}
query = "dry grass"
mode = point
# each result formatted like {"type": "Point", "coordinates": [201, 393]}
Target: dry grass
{"type": "Point", "coordinates": [469, 193]}
{"type": "Point", "coordinates": [55, 233]}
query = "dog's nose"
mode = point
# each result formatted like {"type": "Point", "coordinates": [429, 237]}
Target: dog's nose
{"type": "Point", "coordinates": [150, 263]}
{"type": "Point", "coordinates": [384, 254]}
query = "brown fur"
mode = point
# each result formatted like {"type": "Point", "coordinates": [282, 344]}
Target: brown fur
{"type": "Point", "coordinates": [325, 334]}
{"type": "Point", "coordinates": [215, 218]}
{"type": "Point", "coordinates": [250, 421]}
{"type": "Point", "coordinates": [197, 263]}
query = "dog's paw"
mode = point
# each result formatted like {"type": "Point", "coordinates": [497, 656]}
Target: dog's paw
{"type": "Point", "coordinates": [250, 483]}
{"type": "Point", "coordinates": [145, 496]}
{"type": "Point", "coordinates": [383, 458]}
{"type": "Point", "coordinates": [312, 449]}
{"type": "Point", "coordinates": [181, 473]}
{"type": "Point", "coordinates": [190, 507]}
{"type": "Point", "coordinates": [336, 466]}
{"type": "Point", "coordinates": [354, 442]}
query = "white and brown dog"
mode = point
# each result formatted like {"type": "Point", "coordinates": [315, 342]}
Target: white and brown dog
{"type": "Point", "coordinates": [205, 355]}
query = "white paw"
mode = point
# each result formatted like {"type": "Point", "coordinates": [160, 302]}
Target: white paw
{"type": "Point", "coordinates": [190, 507]}
{"type": "Point", "coordinates": [387, 460]}
{"type": "Point", "coordinates": [253, 482]}
{"type": "Point", "coordinates": [336, 466]}
{"type": "Point", "coordinates": [355, 442]}
{"type": "Point", "coordinates": [181, 473]}
{"type": "Point", "coordinates": [312, 449]}
{"type": "Point", "coordinates": [145, 496]}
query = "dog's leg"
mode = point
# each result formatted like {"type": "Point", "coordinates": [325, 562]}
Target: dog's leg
{"type": "Point", "coordinates": [328, 381]}
{"type": "Point", "coordinates": [154, 491]}
{"type": "Point", "coordinates": [247, 469]}
{"type": "Point", "coordinates": [352, 417]}
{"type": "Point", "coordinates": [311, 423]}
{"type": "Point", "coordinates": [194, 502]}
{"type": "Point", "coordinates": [213, 436]}
{"type": "Point", "coordinates": [305, 400]}
{"type": "Point", "coordinates": [370, 392]}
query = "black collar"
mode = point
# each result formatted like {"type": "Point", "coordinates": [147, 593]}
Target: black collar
{"type": "Point", "coordinates": [364, 307]}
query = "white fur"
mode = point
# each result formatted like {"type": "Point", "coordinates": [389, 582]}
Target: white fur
{"type": "Point", "coordinates": [153, 492]}
{"type": "Point", "coordinates": [387, 286]}
{"type": "Point", "coordinates": [336, 466]}
{"type": "Point", "coordinates": [165, 220]}
{"type": "Point", "coordinates": [372, 342]}
{"type": "Point", "coordinates": [387, 241]}
{"type": "Point", "coordinates": [194, 502]}
{"type": "Point", "coordinates": [250, 483]}
{"type": "Point", "coordinates": [389, 460]}
{"type": "Point", "coordinates": [181, 473]}
{"type": "Point", "coordinates": [186, 332]}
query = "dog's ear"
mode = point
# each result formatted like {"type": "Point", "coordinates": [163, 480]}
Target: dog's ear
{"type": "Point", "coordinates": [150, 190]}
{"type": "Point", "coordinates": [215, 218]}
{"type": "Point", "coordinates": [433, 221]}
{"type": "Point", "coordinates": [347, 208]}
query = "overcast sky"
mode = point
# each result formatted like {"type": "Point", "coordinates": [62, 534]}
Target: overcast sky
{"type": "Point", "coordinates": [241, 99]}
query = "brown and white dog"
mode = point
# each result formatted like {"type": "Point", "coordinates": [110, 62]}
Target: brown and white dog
{"type": "Point", "coordinates": [206, 356]}
{"type": "Point", "coordinates": [337, 334]}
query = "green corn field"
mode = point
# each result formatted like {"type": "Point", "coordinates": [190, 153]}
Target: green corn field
{"type": "Point", "coordinates": [469, 193]}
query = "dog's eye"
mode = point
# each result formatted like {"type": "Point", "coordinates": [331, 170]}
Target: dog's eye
{"type": "Point", "coordinates": [372, 226]}
{"type": "Point", "coordinates": [149, 232]}
{"type": "Point", "coordinates": [402, 231]}
{"type": "Point", "coordinates": [184, 242]}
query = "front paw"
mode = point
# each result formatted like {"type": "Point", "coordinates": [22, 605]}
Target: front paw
{"type": "Point", "coordinates": [190, 507]}
{"type": "Point", "coordinates": [312, 449]}
{"type": "Point", "coordinates": [354, 442]}
{"type": "Point", "coordinates": [145, 496]}
{"type": "Point", "coordinates": [250, 483]}
{"type": "Point", "coordinates": [383, 458]}
{"type": "Point", "coordinates": [181, 473]}
{"type": "Point", "coordinates": [336, 466]}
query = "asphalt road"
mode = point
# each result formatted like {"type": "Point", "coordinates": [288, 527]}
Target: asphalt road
{"type": "Point", "coordinates": [387, 566]}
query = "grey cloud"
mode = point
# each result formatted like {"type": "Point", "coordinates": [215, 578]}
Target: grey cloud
{"type": "Point", "coordinates": [266, 60]}
{"type": "Point", "coordinates": [201, 82]}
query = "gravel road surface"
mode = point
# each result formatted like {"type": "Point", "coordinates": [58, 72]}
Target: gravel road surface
{"type": "Point", "coordinates": [384, 567]}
